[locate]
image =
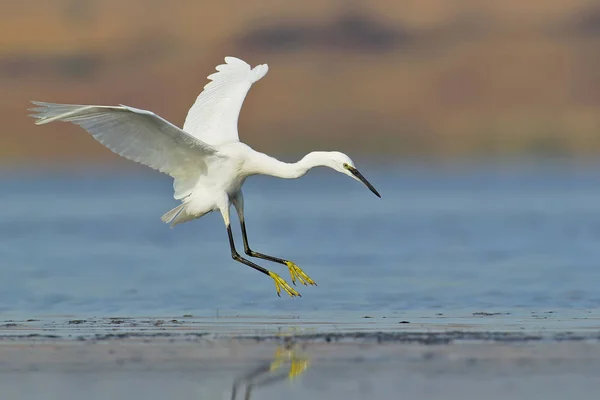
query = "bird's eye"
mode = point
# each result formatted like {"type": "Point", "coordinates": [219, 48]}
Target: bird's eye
{"type": "Point", "coordinates": [346, 165]}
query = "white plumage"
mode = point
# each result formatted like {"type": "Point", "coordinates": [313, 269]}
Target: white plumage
{"type": "Point", "coordinates": [214, 116]}
{"type": "Point", "coordinates": [206, 159]}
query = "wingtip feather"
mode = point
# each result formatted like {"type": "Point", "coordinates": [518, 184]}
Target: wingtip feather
{"type": "Point", "coordinates": [234, 60]}
{"type": "Point", "coordinates": [37, 112]}
{"type": "Point", "coordinates": [237, 65]}
{"type": "Point", "coordinates": [259, 71]}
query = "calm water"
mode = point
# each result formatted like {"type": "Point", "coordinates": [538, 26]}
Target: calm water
{"type": "Point", "coordinates": [472, 237]}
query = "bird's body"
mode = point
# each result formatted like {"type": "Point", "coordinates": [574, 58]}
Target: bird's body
{"type": "Point", "coordinates": [222, 181]}
{"type": "Point", "coordinates": [207, 161]}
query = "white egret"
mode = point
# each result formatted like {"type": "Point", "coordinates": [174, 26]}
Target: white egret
{"type": "Point", "coordinates": [206, 159]}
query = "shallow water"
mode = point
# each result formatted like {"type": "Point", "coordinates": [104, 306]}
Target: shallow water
{"type": "Point", "coordinates": [510, 238]}
{"type": "Point", "coordinates": [204, 370]}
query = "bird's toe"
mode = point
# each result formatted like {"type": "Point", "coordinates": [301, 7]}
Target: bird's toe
{"type": "Point", "coordinates": [297, 273]}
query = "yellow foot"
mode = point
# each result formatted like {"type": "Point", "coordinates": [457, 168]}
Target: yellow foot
{"type": "Point", "coordinates": [298, 367]}
{"type": "Point", "coordinates": [297, 273]}
{"type": "Point", "coordinates": [297, 364]}
{"type": "Point", "coordinates": [281, 284]}
{"type": "Point", "coordinates": [278, 359]}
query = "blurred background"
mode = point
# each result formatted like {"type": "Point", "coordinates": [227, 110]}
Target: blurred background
{"type": "Point", "coordinates": [402, 78]}
{"type": "Point", "coordinates": [504, 95]}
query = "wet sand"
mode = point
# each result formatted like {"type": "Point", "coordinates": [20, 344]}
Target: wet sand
{"type": "Point", "coordinates": [474, 356]}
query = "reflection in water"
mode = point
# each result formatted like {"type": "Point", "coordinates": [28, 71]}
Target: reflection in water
{"type": "Point", "coordinates": [287, 364]}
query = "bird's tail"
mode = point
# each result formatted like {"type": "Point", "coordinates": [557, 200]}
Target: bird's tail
{"type": "Point", "coordinates": [175, 216]}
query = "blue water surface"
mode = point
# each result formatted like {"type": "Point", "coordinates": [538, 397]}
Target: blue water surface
{"type": "Point", "coordinates": [474, 236]}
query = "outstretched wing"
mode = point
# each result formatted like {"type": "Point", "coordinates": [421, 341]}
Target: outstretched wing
{"type": "Point", "coordinates": [214, 116]}
{"type": "Point", "coordinates": [137, 135]}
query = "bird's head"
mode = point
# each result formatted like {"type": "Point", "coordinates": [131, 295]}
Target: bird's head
{"type": "Point", "coordinates": [342, 163]}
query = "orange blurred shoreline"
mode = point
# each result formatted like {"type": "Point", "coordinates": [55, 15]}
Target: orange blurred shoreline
{"type": "Point", "coordinates": [440, 79]}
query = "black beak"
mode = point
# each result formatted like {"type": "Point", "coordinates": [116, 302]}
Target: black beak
{"type": "Point", "coordinates": [364, 180]}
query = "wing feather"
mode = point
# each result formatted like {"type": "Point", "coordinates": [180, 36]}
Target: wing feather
{"type": "Point", "coordinates": [214, 116]}
{"type": "Point", "coordinates": [135, 134]}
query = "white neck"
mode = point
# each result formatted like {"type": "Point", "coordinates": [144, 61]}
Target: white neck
{"type": "Point", "coordinates": [266, 165]}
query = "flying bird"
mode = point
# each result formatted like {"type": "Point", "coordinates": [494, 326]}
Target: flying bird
{"type": "Point", "coordinates": [206, 159]}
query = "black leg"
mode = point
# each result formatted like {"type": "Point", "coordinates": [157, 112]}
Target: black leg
{"type": "Point", "coordinates": [248, 378]}
{"type": "Point", "coordinates": [256, 254]}
{"type": "Point", "coordinates": [295, 271]}
{"type": "Point", "coordinates": [279, 283]}
{"type": "Point", "coordinates": [237, 257]}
